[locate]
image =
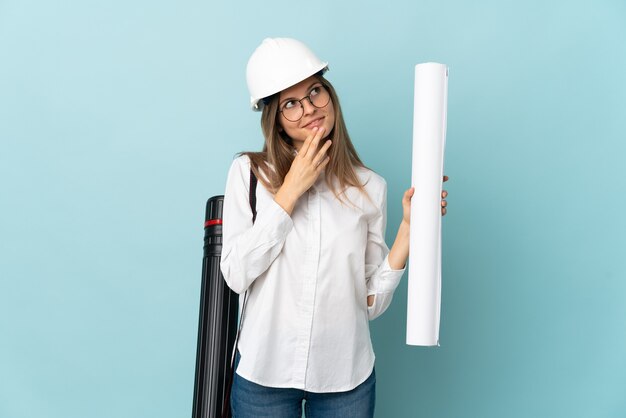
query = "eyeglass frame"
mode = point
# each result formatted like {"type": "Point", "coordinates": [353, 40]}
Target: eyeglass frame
{"type": "Point", "coordinates": [308, 96]}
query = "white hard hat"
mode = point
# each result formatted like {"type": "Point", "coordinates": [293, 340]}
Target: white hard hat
{"type": "Point", "coordinates": [279, 63]}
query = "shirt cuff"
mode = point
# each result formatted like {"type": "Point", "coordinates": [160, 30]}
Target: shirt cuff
{"type": "Point", "coordinates": [385, 279]}
{"type": "Point", "coordinates": [274, 218]}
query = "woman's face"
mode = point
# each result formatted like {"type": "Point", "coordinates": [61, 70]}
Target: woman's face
{"type": "Point", "coordinates": [312, 116]}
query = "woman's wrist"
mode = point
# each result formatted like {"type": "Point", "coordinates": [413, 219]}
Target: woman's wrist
{"type": "Point", "coordinates": [286, 199]}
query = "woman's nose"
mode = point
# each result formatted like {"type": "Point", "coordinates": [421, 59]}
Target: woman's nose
{"type": "Point", "coordinates": [307, 106]}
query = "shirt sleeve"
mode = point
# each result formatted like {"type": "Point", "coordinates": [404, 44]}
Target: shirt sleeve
{"type": "Point", "coordinates": [381, 279]}
{"type": "Point", "coordinates": [249, 249]}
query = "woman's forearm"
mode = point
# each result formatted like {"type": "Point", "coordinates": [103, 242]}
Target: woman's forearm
{"type": "Point", "coordinates": [398, 254]}
{"type": "Point", "coordinates": [400, 249]}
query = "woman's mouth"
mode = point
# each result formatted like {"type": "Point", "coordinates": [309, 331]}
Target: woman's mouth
{"type": "Point", "coordinates": [316, 123]}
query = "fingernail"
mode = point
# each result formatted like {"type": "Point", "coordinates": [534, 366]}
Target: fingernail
{"type": "Point", "coordinates": [315, 128]}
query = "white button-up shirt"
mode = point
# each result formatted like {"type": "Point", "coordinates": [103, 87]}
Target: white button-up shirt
{"type": "Point", "coordinates": [308, 276]}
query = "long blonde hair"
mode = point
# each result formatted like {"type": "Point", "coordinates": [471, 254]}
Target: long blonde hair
{"type": "Point", "coordinates": [274, 161]}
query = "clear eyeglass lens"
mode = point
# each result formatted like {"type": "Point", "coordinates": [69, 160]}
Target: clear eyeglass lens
{"type": "Point", "coordinates": [319, 96]}
{"type": "Point", "coordinates": [293, 113]}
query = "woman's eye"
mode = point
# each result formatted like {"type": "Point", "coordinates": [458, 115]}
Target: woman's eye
{"type": "Point", "coordinates": [315, 91]}
{"type": "Point", "coordinates": [289, 104]}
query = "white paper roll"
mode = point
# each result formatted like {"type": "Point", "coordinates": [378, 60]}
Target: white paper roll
{"type": "Point", "coordinates": [429, 139]}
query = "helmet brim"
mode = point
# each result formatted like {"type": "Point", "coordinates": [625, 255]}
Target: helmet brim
{"type": "Point", "coordinates": [257, 104]}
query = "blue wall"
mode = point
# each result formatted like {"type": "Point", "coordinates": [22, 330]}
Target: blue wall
{"type": "Point", "coordinates": [119, 119]}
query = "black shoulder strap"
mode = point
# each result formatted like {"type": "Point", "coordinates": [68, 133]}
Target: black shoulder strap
{"type": "Point", "coordinates": [252, 196]}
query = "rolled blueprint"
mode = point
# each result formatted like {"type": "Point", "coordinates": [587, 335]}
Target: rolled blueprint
{"type": "Point", "coordinates": [429, 139]}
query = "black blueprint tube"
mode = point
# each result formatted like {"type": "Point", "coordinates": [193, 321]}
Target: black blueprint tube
{"type": "Point", "coordinates": [217, 325]}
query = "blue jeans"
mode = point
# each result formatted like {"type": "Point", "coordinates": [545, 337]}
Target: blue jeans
{"type": "Point", "coordinates": [251, 400]}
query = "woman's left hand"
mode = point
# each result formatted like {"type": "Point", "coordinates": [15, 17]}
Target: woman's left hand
{"type": "Point", "coordinates": [406, 203]}
{"type": "Point", "coordinates": [444, 194]}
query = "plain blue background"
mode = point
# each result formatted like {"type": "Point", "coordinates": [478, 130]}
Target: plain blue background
{"type": "Point", "coordinates": [119, 119]}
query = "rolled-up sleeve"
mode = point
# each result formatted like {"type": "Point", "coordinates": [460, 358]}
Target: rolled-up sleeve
{"type": "Point", "coordinates": [249, 249]}
{"type": "Point", "coordinates": [381, 279]}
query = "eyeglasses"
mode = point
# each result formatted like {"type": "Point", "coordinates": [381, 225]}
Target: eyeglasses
{"type": "Point", "coordinates": [293, 109]}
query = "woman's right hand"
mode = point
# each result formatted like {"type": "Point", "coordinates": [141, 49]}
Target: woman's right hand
{"type": "Point", "coordinates": [304, 171]}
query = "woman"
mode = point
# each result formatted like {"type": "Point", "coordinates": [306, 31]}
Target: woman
{"type": "Point", "coordinates": [314, 261]}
